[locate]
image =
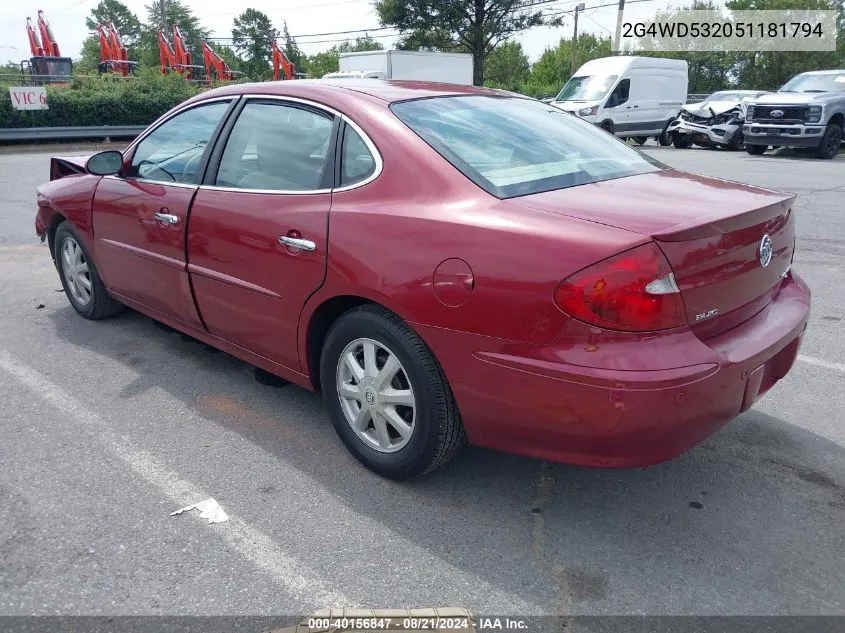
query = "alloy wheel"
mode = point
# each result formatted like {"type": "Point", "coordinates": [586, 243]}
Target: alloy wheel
{"type": "Point", "coordinates": [76, 271]}
{"type": "Point", "coordinates": [376, 395]}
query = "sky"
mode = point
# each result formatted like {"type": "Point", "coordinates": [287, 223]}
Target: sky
{"type": "Point", "coordinates": [305, 19]}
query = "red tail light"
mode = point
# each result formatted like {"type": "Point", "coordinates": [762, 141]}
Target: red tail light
{"type": "Point", "coordinates": [634, 291]}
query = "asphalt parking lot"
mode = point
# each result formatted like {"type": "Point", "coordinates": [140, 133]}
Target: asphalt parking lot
{"type": "Point", "coordinates": [107, 427]}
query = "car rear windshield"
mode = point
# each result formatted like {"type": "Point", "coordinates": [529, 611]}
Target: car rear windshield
{"type": "Point", "coordinates": [513, 146]}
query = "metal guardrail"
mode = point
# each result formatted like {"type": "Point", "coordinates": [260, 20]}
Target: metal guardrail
{"type": "Point", "coordinates": [17, 134]}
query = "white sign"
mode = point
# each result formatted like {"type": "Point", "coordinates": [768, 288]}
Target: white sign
{"type": "Point", "coordinates": [28, 98]}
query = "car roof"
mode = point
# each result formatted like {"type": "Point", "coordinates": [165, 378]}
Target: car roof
{"type": "Point", "coordinates": [389, 91]}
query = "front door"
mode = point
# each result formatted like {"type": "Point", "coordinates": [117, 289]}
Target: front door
{"type": "Point", "coordinates": [139, 217]}
{"type": "Point", "coordinates": [258, 232]}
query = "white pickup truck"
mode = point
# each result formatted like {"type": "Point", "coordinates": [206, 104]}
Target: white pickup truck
{"type": "Point", "coordinates": [453, 68]}
{"type": "Point", "coordinates": [808, 111]}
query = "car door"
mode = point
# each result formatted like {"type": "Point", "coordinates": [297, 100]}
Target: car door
{"type": "Point", "coordinates": [139, 216]}
{"type": "Point", "coordinates": [618, 107]}
{"type": "Point", "coordinates": [257, 236]}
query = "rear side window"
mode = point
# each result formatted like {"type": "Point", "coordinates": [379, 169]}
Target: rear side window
{"type": "Point", "coordinates": [513, 146]}
{"type": "Point", "coordinates": [276, 147]}
{"type": "Point", "coordinates": [357, 162]}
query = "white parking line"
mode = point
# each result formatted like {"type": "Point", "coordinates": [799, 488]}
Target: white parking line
{"type": "Point", "coordinates": [821, 363]}
{"type": "Point", "coordinates": [256, 546]}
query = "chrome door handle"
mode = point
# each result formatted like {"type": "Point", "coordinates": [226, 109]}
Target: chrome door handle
{"type": "Point", "coordinates": [297, 242]}
{"type": "Point", "coordinates": [166, 218]}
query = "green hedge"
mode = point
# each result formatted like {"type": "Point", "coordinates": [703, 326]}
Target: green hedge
{"type": "Point", "coordinates": [106, 100]}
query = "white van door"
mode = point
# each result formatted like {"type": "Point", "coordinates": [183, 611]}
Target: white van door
{"type": "Point", "coordinates": [617, 106]}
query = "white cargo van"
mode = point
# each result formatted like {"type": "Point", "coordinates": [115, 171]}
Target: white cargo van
{"type": "Point", "coordinates": [629, 96]}
{"type": "Point", "coordinates": [453, 68]}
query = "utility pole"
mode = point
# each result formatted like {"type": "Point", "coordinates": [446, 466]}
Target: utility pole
{"type": "Point", "coordinates": [618, 27]}
{"type": "Point", "coordinates": [162, 4]}
{"type": "Point", "coordinates": [574, 46]}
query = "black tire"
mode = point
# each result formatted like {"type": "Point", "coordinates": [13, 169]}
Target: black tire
{"type": "Point", "coordinates": [607, 126]}
{"type": "Point", "coordinates": [755, 150]}
{"type": "Point", "coordinates": [664, 139]}
{"type": "Point", "coordinates": [681, 141]}
{"type": "Point", "coordinates": [736, 142]}
{"type": "Point", "coordinates": [831, 141]}
{"type": "Point", "coordinates": [437, 432]}
{"type": "Point", "coordinates": [640, 140]}
{"type": "Point", "coordinates": [100, 304]}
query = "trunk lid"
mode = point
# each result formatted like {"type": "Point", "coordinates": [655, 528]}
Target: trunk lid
{"type": "Point", "coordinates": [712, 232]}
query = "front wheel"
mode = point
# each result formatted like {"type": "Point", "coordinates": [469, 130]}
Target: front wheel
{"type": "Point", "coordinates": [640, 140]}
{"type": "Point", "coordinates": [736, 142]}
{"type": "Point", "coordinates": [387, 396]}
{"type": "Point", "coordinates": [80, 280]}
{"type": "Point", "coordinates": [681, 141]}
{"type": "Point", "coordinates": [832, 139]}
{"type": "Point", "coordinates": [755, 150]}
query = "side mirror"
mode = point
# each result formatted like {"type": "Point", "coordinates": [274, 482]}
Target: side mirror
{"type": "Point", "coordinates": [612, 102]}
{"type": "Point", "coordinates": [105, 163]}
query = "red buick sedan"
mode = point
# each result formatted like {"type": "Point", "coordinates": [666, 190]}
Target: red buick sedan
{"type": "Point", "coordinates": [445, 264]}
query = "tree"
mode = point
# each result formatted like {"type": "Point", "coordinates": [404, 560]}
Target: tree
{"type": "Point", "coordinates": [360, 45]}
{"type": "Point", "coordinates": [476, 27]}
{"type": "Point", "coordinates": [768, 70]}
{"type": "Point", "coordinates": [507, 67]}
{"type": "Point", "coordinates": [327, 61]}
{"type": "Point", "coordinates": [252, 37]}
{"type": "Point", "coordinates": [174, 13]}
{"type": "Point", "coordinates": [291, 48]}
{"type": "Point", "coordinates": [711, 70]}
{"type": "Point", "coordinates": [554, 68]}
{"type": "Point", "coordinates": [115, 11]}
{"type": "Point", "coordinates": [126, 22]}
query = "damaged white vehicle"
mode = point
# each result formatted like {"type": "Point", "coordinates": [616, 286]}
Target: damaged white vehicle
{"type": "Point", "coordinates": [715, 122]}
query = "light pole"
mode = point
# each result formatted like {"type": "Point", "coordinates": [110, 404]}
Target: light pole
{"type": "Point", "coordinates": [618, 27]}
{"type": "Point", "coordinates": [573, 67]}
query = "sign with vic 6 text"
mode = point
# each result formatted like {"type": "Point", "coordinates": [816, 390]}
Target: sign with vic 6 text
{"type": "Point", "coordinates": [28, 98]}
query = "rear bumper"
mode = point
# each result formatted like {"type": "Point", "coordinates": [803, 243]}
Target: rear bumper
{"type": "Point", "coordinates": [545, 402]}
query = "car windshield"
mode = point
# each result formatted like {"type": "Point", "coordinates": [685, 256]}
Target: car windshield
{"type": "Point", "coordinates": [512, 146]}
{"type": "Point", "coordinates": [589, 88]}
{"type": "Point", "coordinates": [816, 82]}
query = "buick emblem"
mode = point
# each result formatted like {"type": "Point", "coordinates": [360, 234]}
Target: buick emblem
{"type": "Point", "coordinates": [776, 114]}
{"type": "Point", "coordinates": [766, 249]}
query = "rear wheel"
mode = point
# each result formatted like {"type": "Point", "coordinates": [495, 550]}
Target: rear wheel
{"type": "Point", "coordinates": [832, 139]}
{"type": "Point", "coordinates": [81, 283]}
{"type": "Point", "coordinates": [387, 396]}
{"type": "Point", "coordinates": [681, 141]}
{"type": "Point", "coordinates": [755, 150]}
{"type": "Point", "coordinates": [640, 140]}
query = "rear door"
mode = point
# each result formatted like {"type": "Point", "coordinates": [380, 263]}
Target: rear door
{"type": "Point", "coordinates": [257, 238]}
{"type": "Point", "coordinates": [139, 217]}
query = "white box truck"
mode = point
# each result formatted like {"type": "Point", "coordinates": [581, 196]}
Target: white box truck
{"type": "Point", "coordinates": [452, 68]}
{"type": "Point", "coordinates": [630, 96]}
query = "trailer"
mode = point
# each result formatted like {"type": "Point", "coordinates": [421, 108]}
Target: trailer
{"type": "Point", "coordinates": [454, 68]}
